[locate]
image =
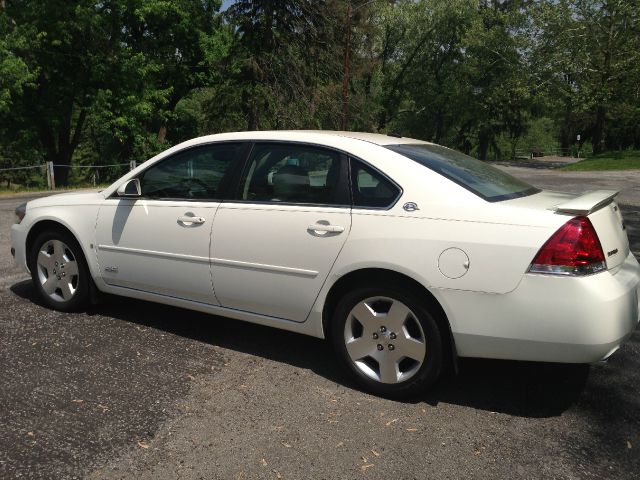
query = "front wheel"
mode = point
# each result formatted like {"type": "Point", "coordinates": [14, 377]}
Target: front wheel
{"type": "Point", "coordinates": [59, 271]}
{"type": "Point", "coordinates": [388, 340]}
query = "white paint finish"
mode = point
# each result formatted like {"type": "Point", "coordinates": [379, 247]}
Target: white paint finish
{"type": "Point", "coordinates": [247, 237]}
{"type": "Point", "coordinates": [609, 226]}
{"type": "Point", "coordinates": [153, 253]}
{"type": "Point", "coordinates": [547, 318]}
{"type": "Point", "coordinates": [587, 203]}
{"type": "Point", "coordinates": [499, 255]}
{"type": "Point", "coordinates": [153, 250]}
{"type": "Point", "coordinates": [313, 329]}
{"type": "Point", "coordinates": [453, 263]}
{"type": "Point", "coordinates": [261, 266]}
{"type": "Point", "coordinates": [69, 199]}
{"type": "Point", "coordinates": [18, 242]}
{"type": "Point", "coordinates": [79, 218]}
{"type": "Point", "coordinates": [268, 266]}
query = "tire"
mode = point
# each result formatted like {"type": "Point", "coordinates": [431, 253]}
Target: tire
{"type": "Point", "coordinates": [388, 341]}
{"type": "Point", "coordinates": [59, 271]}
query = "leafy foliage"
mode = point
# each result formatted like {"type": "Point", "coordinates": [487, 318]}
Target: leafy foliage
{"type": "Point", "coordinates": [89, 82]}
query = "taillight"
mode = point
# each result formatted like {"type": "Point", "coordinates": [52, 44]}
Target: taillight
{"type": "Point", "coordinates": [573, 250]}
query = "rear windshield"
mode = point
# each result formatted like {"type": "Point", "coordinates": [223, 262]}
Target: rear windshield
{"type": "Point", "coordinates": [480, 178]}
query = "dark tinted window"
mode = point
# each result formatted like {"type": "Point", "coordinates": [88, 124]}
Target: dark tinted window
{"type": "Point", "coordinates": [370, 188]}
{"type": "Point", "coordinates": [290, 173]}
{"type": "Point", "coordinates": [482, 179]}
{"type": "Point", "coordinates": [196, 173]}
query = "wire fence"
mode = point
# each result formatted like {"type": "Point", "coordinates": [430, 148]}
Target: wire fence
{"type": "Point", "coordinates": [47, 174]}
{"type": "Point", "coordinates": [22, 168]}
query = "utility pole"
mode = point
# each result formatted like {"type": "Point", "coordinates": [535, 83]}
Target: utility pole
{"type": "Point", "coordinates": [345, 72]}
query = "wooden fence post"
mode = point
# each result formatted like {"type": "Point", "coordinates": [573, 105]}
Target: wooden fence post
{"type": "Point", "coordinates": [51, 178]}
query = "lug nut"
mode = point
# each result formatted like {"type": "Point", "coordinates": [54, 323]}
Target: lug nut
{"type": "Point", "coordinates": [392, 336]}
{"type": "Point", "coordinates": [380, 347]}
{"type": "Point", "coordinates": [63, 274]}
{"type": "Point", "coordinates": [383, 329]}
{"type": "Point", "coordinates": [59, 277]}
{"type": "Point", "coordinates": [390, 346]}
{"type": "Point", "coordinates": [54, 271]}
{"type": "Point", "coordinates": [375, 336]}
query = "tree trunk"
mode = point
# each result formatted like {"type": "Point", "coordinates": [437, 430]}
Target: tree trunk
{"type": "Point", "coordinates": [514, 145]}
{"type": "Point", "coordinates": [162, 134]}
{"type": "Point", "coordinates": [483, 144]}
{"type": "Point", "coordinates": [598, 131]}
{"type": "Point", "coordinates": [439, 125]}
{"type": "Point", "coordinates": [61, 151]}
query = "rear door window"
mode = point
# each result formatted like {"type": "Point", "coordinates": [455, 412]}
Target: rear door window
{"type": "Point", "coordinates": [371, 189]}
{"type": "Point", "coordinates": [294, 174]}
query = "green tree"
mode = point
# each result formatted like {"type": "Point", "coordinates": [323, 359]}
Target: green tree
{"type": "Point", "coordinates": [124, 63]}
{"type": "Point", "coordinates": [278, 62]}
{"type": "Point", "coordinates": [589, 56]}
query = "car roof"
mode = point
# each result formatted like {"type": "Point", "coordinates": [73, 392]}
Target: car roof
{"type": "Point", "coordinates": [315, 136]}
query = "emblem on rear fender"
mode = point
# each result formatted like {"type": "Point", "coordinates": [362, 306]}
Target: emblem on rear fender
{"type": "Point", "coordinates": [111, 269]}
{"type": "Point", "coordinates": [612, 252]}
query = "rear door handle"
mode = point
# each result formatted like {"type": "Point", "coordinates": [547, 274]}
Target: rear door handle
{"type": "Point", "coordinates": [190, 219]}
{"type": "Point", "coordinates": [319, 227]}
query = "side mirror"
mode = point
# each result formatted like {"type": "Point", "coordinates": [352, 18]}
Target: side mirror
{"type": "Point", "coordinates": [130, 188]}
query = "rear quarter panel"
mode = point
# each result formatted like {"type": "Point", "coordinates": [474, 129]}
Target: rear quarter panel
{"type": "Point", "coordinates": [499, 254]}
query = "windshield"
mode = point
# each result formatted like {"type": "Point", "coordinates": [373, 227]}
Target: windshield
{"type": "Point", "coordinates": [480, 178]}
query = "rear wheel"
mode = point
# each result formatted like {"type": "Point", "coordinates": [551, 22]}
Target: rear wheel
{"type": "Point", "coordinates": [59, 271]}
{"type": "Point", "coordinates": [388, 340]}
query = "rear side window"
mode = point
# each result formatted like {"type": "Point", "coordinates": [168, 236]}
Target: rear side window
{"type": "Point", "coordinates": [370, 188]}
{"type": "Point", "coordinates": [478, 177]}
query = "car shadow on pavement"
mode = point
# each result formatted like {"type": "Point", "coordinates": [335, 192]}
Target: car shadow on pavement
{"type": "Point", "coordinates": [524, 389]}
{"type": "Point", "coordinates": [516, 388]}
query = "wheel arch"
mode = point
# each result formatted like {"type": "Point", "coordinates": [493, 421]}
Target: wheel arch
{"type": "Point", "coordinates": [45, 225]}
{"type": "Point", "coordinates": [382, 276]}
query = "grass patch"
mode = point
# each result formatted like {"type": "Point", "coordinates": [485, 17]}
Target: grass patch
{"type": "Point", "coordinates": [4, 191]}
{"type": "Point", "coordinates": [19, 189]}
{"type": "Point", "coordinates": [626, 160]}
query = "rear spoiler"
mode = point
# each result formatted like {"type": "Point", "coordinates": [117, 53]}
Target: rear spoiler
{"type": "Point", "coordinates": [587, 203]}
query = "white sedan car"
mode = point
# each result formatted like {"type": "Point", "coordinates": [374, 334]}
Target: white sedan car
{"type": "Point", "coordinates": [405, 254]}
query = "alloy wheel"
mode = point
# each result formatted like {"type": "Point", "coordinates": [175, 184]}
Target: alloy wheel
{"type": "Point", "coordinates": [57, 270]}
{"type": "Point", "coordinates": [385, 340]}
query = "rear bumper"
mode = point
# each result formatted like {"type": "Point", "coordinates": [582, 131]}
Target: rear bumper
{"type": "Point", "coordinates": [550, 319]}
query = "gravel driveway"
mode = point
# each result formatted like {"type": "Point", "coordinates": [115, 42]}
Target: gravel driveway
{"type": "Point", "coordinates": [136, 390]}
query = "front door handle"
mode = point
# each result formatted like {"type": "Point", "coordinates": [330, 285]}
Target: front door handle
{"type": "Point", "coordinates": [191, 220]}
{"type": "Point", "coordinates": [325, 228]}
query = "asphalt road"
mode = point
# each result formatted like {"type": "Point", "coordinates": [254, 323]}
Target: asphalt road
{"type": "Point", "coordinates": [136, 390]}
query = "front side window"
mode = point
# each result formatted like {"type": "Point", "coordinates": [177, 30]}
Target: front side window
{"type": "Point", "coordinates": [195, 174]}
{"type": "Point", "coordinates": [476, 176]}
{"type": "Point", "coordinates": [290, 173]}
{"type": "Point", "coordinates": [370, 189]}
